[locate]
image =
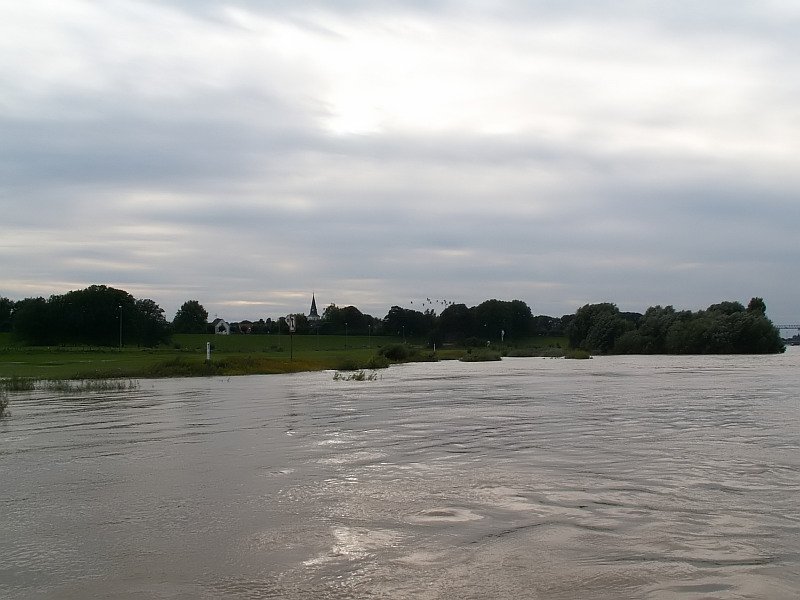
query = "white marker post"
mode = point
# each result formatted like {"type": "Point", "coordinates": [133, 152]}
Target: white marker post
{"type": "Point", "coordinates": [208, 351]}
{"type": "Point", "coordinates": [291, 324]}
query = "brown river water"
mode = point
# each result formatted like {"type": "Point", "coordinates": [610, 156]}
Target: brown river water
{"type": "Point", "coordinates": [612, 478]}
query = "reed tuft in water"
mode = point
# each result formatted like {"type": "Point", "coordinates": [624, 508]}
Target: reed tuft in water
{"type": "Point", "coordinates": [89, 385]}
{"type": "Point", "coordinates": [357, 376]}
{"type": "Point", "coordinates": [17, 384]}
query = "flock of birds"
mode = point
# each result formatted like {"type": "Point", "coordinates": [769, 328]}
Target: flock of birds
{"type": "Point", "coordinates": [432, 302]}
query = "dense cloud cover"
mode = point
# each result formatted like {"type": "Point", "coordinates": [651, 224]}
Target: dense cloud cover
{"type": "Point", "coordinates": [248, 153]}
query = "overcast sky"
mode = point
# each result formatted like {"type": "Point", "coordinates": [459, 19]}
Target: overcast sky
{"type": "Point", "coordinates": [248, 153]}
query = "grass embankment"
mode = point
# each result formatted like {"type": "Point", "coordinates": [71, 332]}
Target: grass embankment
{"type": "Point", "coordinates": [185, 356]}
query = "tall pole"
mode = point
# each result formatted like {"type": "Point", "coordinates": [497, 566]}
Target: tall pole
{"type": "Point", "coordinates": [291, 323]}
{"type": "Point", "coordinates": [345, 336]}
{"type": "Point", "coordinates": [120, 327]}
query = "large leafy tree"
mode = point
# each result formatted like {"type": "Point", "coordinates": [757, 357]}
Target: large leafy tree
{"type": "Point", "coordinates": [757, 306]}
{"type": "Point", "coordinates": [95, 315]}
{"type": "Point", "coordinates": [33, 321]}
{"type": "Point", "coordinates": [190, 318]}
{"type": "Point", "coordinates": [92, 316]}
{"type": "Point", "coordinates": [547, 325]}
{"type": "Point", "coordinates": [404, 321]}
{"type": "Point", "coordinates": [6, 308]}
{"type": "Point", "coordinates": [456, 322]}
{"type": "Point", "coordinates": [332, 319]}
{"type": "Point", "coordinates": [650, 337]}
{"type": "Point", "coordinates": [150, 327]}
{"type": "Point", "coordinates": [335, 317]}
{"type": "Point", "coordinates": [495, 319]}
{"type": "Point", "coordinates": [596, 327]}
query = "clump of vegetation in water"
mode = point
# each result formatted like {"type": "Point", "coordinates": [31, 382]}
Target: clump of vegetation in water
{"type": "Point", "coordinates": [348, 364]}
{"type": "Point", "coordinates": [354, 364]}
{"type": "Point", "coordinates": [482, 355]}
{"type": "Point", "coordinates": [89, 385]}
{"type": "Point", "coordinates": [378, 362]}
{"type": "Point", "coordinates": [181, 367]}
{"type": "Point", "coordinates": [396, 352]}
{"type": "Point", "coordinates": [357, 376]}
{"type": "Point", "coordinates": [549, 352]}
{"type": "Point", "coordinates": [17, 384]}
{"type": "Point", "coordinates": [3, 403]}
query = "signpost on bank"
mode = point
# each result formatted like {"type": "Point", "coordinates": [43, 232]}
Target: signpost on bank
{"type": "Point", "coordinates": [290, 322]}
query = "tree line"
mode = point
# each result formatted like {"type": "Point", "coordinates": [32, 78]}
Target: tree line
{"type": "Point", "coordinates": [98, 315]}
{"type": "Point", "coordinates": [723, 328]}
{"type": "Point", "coordinates": [492, 320]}
{"type": "Point", "coordinates": [93, 316]}
{"type": "Point", "coordinates": [105, 316]}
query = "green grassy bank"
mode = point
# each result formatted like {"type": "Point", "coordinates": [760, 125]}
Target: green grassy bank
{"type": "Point", "coordinates": [231, 355]}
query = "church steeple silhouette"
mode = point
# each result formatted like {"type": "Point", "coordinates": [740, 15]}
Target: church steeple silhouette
{"type": "Point", "coordinates": [313, 315]}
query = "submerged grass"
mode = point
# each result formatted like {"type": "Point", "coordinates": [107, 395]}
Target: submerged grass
{"type": "Point", "coordinates": [17, 384]}
{"type": "Point", "coordinates": [89, 385]}
{"type": "Point", "coordinates": [3, 403]}
{"type": "Point", "coordinates": [230, 365]}
{"type": "Point", "coordinates": [22, 366]}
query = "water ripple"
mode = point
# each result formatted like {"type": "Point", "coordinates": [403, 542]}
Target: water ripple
{"type": "Point", "coordinates": [628, 477]}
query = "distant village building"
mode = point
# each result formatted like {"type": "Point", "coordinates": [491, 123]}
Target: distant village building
{"type": "Point", "coordinates": [313, 315]}
{"type": "Point", "coordinates": [221, 327]}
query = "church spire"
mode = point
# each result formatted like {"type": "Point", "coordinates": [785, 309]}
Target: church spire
{"type": "Point", "coordinates": [312, 314]}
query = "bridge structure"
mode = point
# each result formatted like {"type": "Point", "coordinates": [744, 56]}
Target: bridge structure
{"type": "Point", "coordinates": [785, 331]}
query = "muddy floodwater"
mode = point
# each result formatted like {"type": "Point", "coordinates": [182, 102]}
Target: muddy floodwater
{"type": "Point", "coordinates": [611, 478]}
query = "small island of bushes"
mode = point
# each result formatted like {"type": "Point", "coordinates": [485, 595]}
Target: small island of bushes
{"type": "Point", "coordinates": [724, 328]}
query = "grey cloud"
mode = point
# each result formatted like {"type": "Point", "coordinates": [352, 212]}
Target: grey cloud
{"type": "Point", "coordinates": [238, 193]}
{"type": "Point", "coordinates": [159, 148]}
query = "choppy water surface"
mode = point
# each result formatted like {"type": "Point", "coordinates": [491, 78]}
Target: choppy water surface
{"type": "Point", "coordinates": [619, 477]}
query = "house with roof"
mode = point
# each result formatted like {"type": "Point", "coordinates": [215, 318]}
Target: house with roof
{"type": "Point", "coordinates": [221, 327]}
